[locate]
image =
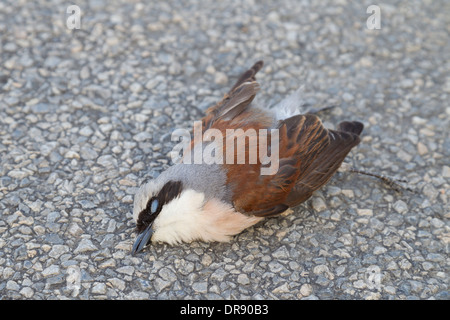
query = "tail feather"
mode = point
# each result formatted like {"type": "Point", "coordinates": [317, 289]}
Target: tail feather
{"type": "Point", "coordinates": [354, 127]}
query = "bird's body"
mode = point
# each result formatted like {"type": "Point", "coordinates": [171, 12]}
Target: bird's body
{"type": "Point", "coordinates": [213, 202]}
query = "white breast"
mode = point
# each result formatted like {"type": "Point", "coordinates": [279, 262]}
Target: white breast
{"type": "Point", "coordinates": [190, 217]}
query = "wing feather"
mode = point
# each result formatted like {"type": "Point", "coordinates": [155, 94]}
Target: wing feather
{"type": "Point", "coordinates": [318, 168]}
{"type": "Point", "coordinates": [309, 156]}
{"type": "Point", "coordinates": [237, 100]}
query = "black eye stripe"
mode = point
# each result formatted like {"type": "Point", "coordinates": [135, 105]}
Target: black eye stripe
{"type": "Point", "coordinates": [171, 190]}
{"type": "Point", "coordinates": [168, 192]}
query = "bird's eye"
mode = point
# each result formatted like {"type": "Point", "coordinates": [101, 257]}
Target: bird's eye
{"type": "Point", "coordinates": [154, 206]}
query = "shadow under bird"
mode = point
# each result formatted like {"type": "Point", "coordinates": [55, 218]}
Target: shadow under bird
{"type": "Point", "coordinates": [213, 202]}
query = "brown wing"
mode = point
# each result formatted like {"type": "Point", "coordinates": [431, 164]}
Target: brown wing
{"type": "Point", "coordinates": [320, 166]}
{"type": "Point", "coordinates": [236, 100]}
{"type": "Point", "coordinates": [309, 155]}
{"type": "Point", "coordinates": [233, 111]}
{"type": "Point", "coordinates": [265, 195]}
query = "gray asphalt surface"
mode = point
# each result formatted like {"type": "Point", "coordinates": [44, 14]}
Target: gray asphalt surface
{"type": "Point", "coordinates": [86, 117]}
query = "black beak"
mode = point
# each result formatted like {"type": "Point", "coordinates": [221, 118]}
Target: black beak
{"type": "Point", "coordinates": [142, 240]}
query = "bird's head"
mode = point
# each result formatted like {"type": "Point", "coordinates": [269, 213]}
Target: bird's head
{"type": "Point", "coordinates": [166, 211]}
{"type": "Point", "coordinates": [153, 202]}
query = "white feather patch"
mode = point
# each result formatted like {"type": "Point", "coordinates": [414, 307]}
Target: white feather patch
{"type": "Point", "coordinates": [189, 218]}
{"type": "Point", "coordinates": [289, 106]}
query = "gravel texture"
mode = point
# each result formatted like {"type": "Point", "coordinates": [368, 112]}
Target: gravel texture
{"type": "Point", "coordinates": [86, 117]}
